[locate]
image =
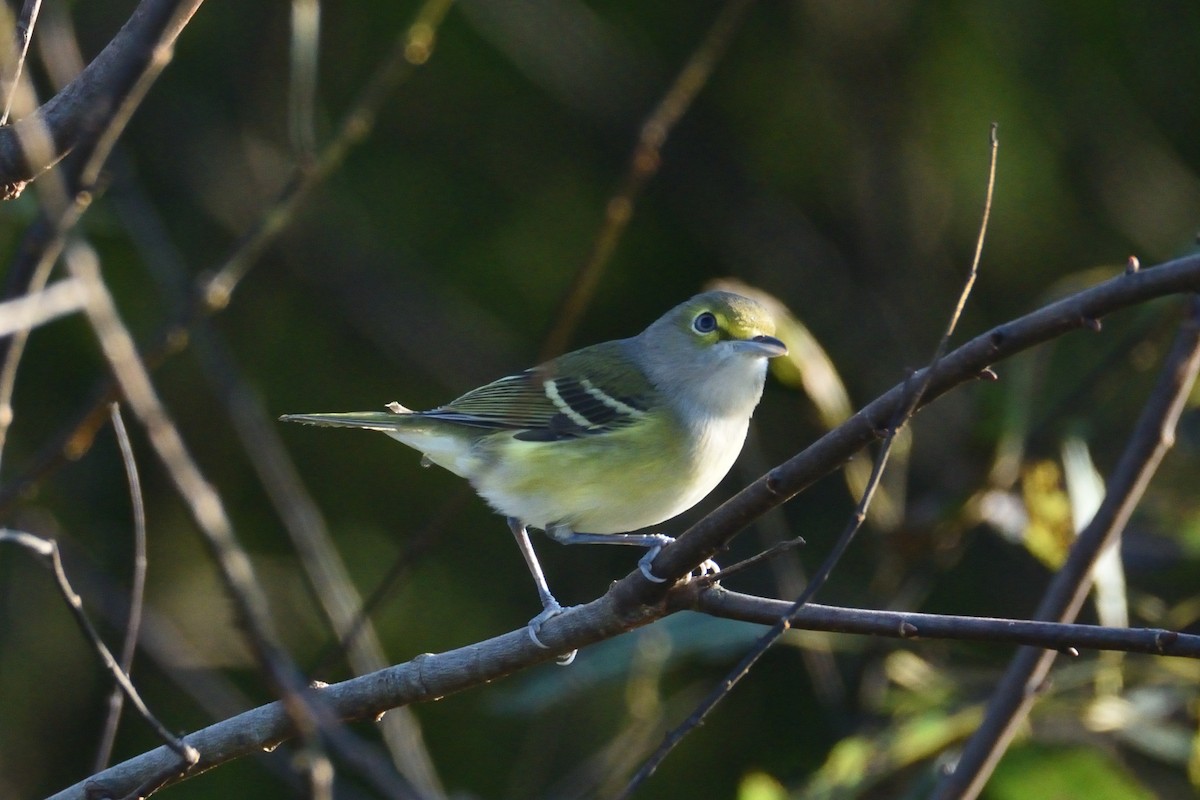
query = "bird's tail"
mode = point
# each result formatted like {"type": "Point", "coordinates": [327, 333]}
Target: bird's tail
{"type": "Point", "coordinates": [390, 420]}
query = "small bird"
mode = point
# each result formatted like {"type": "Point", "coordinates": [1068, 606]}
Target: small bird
{"type": "Point", "coordinates": [605, 440]}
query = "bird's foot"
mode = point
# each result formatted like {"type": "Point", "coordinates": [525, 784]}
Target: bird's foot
{"type": "Point", "coordinates": [647, 560]}
{"type": "Point", "coordinates": [707, 567]}
{"type": "Point", "coordinates": [552, 609]}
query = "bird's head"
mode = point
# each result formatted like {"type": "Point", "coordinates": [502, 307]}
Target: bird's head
{"type": "Point", "coordinates": [712, 349]}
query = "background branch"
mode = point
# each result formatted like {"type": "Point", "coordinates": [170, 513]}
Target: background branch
{"type": "Point", "coordinates": [137, 588]}
{"type": "Point", "coordinates": [82, 109]}
{"type": "Point", "coordinates": [643, 164]}
{"type": "Point", "coordinates": [1057, 636]}
{"type": "Point", "coordinates": [1152, 437]}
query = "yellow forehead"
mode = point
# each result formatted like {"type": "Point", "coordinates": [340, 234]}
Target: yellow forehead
{"type": "Point", "coordinates": [736, 315]}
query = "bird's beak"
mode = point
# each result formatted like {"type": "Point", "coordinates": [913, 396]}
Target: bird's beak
{"type": "Point", "coordinates": [765, 346]}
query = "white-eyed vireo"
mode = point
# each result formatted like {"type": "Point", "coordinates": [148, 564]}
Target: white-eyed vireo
{"type": "Point", "coordinates": [605, 440]}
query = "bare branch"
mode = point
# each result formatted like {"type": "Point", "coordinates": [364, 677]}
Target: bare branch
{"type": "Point", "coordinates": [136, 589]}
{"type": "Point", "coordinates": [1153, 435]}
{"type": "Point", "coordinates": [84, 106]}
{"type": "Point", "coordinates": [1059, 636]}
{"type": "Point", "coordinates": [643, 164]}
{"type": "Point", "coordinates": [23, 28]}
{"type": "Point", "coordinates": [31, 310]}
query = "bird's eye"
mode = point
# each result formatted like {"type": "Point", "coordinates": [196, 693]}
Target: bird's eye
{"type": "Point", "coordinates": [705, 323]}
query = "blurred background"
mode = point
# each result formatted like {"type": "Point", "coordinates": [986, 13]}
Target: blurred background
{"type": "Point", "coordinates": [836, 160]}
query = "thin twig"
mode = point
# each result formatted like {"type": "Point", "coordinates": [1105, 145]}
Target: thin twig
{"type": "Point", "coordinates": [409, 52]}
{"type": "Point", "coordinates": [643, 165]}
{"type": "Point", "coordinates": [47, 549]}
{"type": "Point", "coordinates": [1152, 437]}
{"type": "Point", "coordinates": [304, 57]}
{"type": "Point", "coordinates": [1059, 636]}
{"type": "Point", "coordinates": [775, 550]}
{"type": "Point", "coordinates": [23, 28]}
{"type": "Point", "coordinates": [137, 587]}
{"type": "Point", "coordinates": [914, 390]}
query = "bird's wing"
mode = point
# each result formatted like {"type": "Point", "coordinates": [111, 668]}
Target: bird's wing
{"type": "Point", "coordinates": [584, 393]}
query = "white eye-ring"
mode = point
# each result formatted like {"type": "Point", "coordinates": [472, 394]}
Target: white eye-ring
{"type": "Point", "coordinates": [705, 322]}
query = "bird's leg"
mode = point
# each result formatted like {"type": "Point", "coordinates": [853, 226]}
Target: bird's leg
{"type": "Point", "coordinates": [655, 542]}
{"type": "Point", "coordinates": [550, 606]}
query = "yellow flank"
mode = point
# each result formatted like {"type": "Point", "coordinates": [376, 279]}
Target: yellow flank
{"type": "Point", "coordinates": [597, 484]}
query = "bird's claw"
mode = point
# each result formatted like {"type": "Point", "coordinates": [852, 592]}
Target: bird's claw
{"type": "Point", "coordinates": [552, 609]}
{"type": "Point", "coordinates": [706, 568]}
{"type": "Point", "coordinates": [645, 562]}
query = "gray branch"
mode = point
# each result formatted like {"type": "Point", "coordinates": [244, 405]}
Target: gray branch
{"type": "Point", "coordinates": [37, 142]}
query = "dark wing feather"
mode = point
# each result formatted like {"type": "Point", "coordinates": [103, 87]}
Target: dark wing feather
{"type": "Point", "coordinates": [516, 402]}
{"type": "Point", "coordinates": [588, 392]}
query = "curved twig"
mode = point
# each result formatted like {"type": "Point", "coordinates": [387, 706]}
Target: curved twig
{"type": "Point", "coordinates": [137, 587]}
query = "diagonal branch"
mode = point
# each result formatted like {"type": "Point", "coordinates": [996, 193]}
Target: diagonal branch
{"type": "Point", "coordinates": [643, 165]}
{"type": "Point", "coordinates": [31, 145]}
{"type": "Point", "coordinates": [1152, 437]}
